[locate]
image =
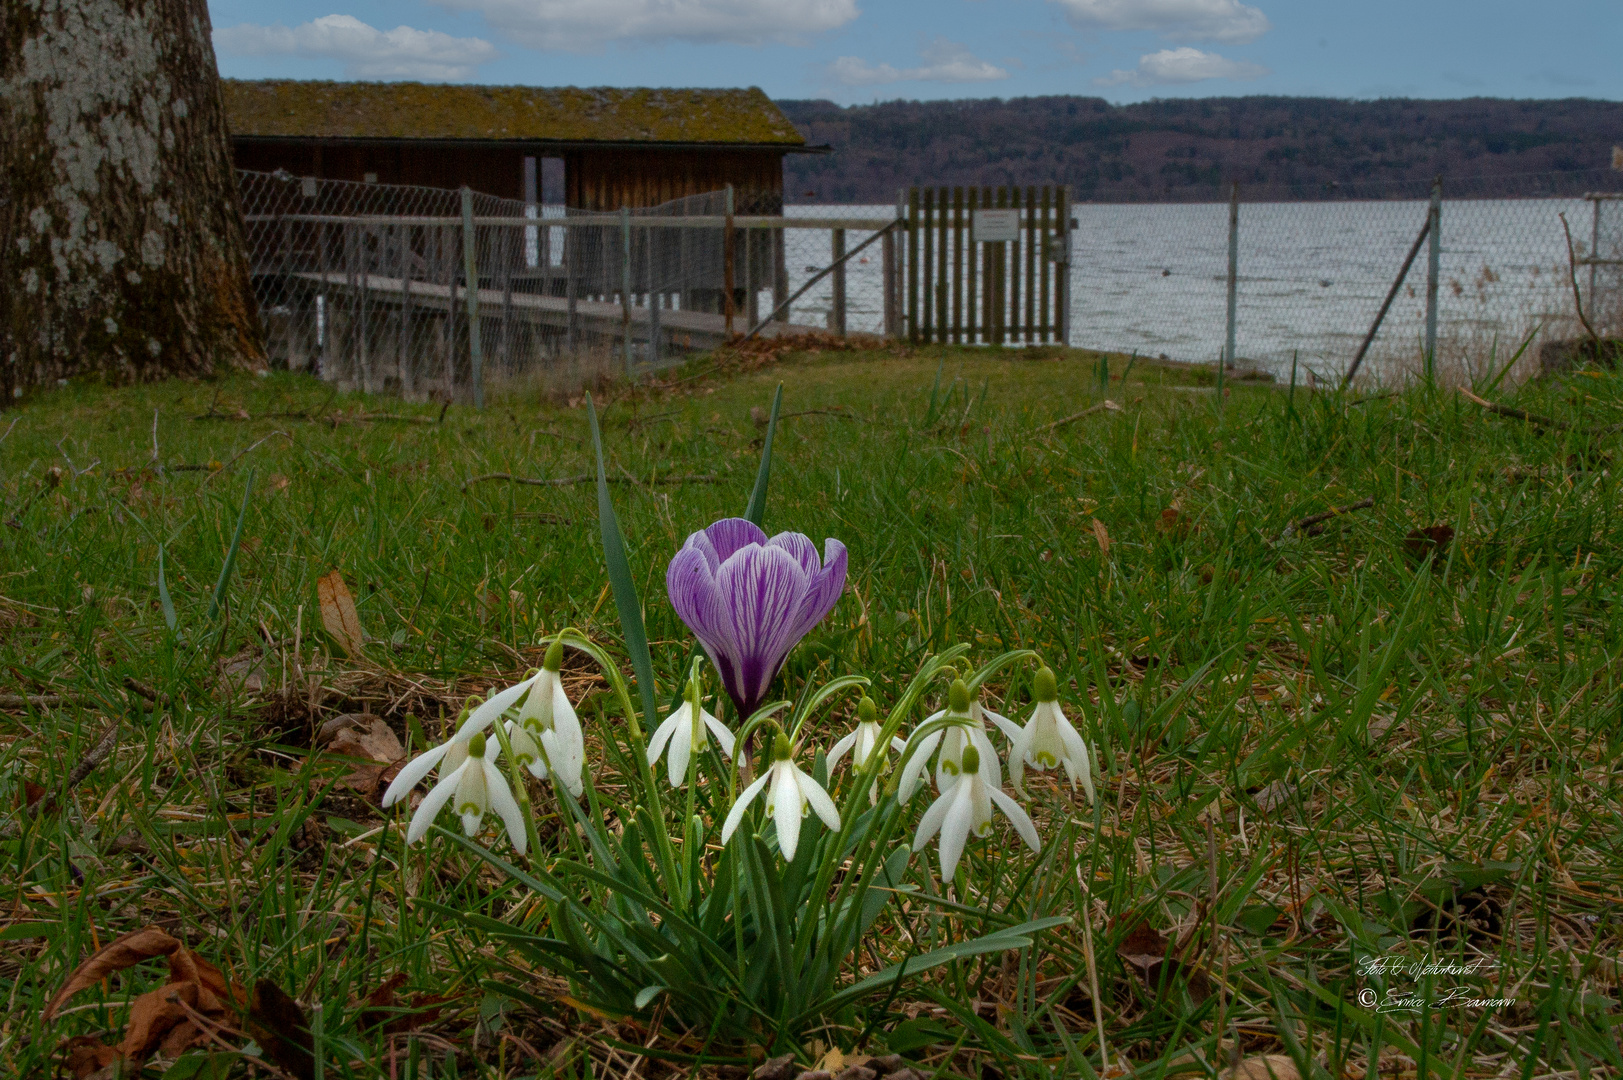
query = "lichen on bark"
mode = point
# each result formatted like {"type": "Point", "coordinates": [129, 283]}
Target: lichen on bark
{"type": "Point", "coordinates": [121, 242]}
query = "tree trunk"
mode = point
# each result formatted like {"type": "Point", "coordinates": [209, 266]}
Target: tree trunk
{"type": "Point", "coordinates": [121, 236]}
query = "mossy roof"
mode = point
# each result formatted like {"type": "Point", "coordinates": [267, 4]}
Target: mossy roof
{"type": "Point", "coordinates": [404, 110]}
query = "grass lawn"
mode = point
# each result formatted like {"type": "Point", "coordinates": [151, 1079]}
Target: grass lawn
{"type": "Point", "coordinates": [1331, 749]}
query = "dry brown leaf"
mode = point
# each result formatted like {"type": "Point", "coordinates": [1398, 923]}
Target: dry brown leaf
{"type": "Point", "coordinates": [87, 1057]}
{"type": "Point", "coordinates": [338, 613]}
{"type": "Point", "coordinates": [371, 738]}
{"type": "Point", "coordinates": [161, 1020]}
{"type": "Point", "coordinates": [1274, 796]}
{"type": "Point", "coordinates": [277, 482]}
{"type": "Point", "coordinates": [1102, 534]}
{"type": "Point", "coordinates": [278, 1024]}
{"type": "Point", "coordinates": [1263, 1067]}
{"type": "Point", "coordinates": [115, 956]}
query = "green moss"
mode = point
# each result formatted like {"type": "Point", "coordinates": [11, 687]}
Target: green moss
{"type": "Point", "coordinates": [285, 107]}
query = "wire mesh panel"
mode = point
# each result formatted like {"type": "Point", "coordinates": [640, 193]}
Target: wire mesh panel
{"type": "Point", "coordinates": [429, 293]}
{"type": "Point", "coordinates": [1604, 265]}
{"type": "Point", "coordinates": [1312, 275]}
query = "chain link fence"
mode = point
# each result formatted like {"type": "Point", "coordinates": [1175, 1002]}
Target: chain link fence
{"type": "Point", "coordinates": [1312, 275]}
{"type": "Point", "coordinates": [429, 293]}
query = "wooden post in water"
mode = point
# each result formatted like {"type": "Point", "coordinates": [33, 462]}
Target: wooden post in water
{"type": "Point", "coordinates": [1062, 269]}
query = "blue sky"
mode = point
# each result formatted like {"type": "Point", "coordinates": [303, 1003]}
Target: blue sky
{"type": "Point", "coordinates": [863, 50]}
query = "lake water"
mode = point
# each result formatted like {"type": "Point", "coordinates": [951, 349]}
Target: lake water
{"type": "Point", "coordinates": [1152, 278]}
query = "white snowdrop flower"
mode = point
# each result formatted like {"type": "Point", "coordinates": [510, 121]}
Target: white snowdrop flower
{"type": "Point", "coordinates": [546, 716]}
{"type": "Point", "coordinates": [792, 791]}
{"type": "Point", "coordinates": [970, 730]}
{"type": "Point", "coordinates": [965, 807]}
{"type": "Point", "coordinates": [1049, 739]}
{"type": "Point", "coordinates": [864, 742]}
{"type": "Point", "coordinates": [477, 787]}
{"type": "Point", "coordinates": [687, 729]}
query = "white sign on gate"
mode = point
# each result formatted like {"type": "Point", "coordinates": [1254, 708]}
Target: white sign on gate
{"type": "Point", "coordinates": [993, 226]}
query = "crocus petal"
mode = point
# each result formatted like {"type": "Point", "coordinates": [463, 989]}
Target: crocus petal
{"type": "Point", "coordinates": [432, 804]}
{"type": "Point", "coordinates": [663, 734]}
{"type": "Point", "coordinates": [491, 708]}
{"type": "Point", "coordinates": [506, 807]}
{"type": "Point", "coordinates": [413, 772]}
{"type": "Point", "coordinates": [736, 814]}
{"type": "Point", "coordinates": [728, 535]}
{"type": "Point", "coordinates": [723, 737]}
{"type": "Point", "coordinates": [690, 582]}
{"type": "Point", "coordinates": [800, 548]}
{"type": "Point", "coordinates": [930, 823]}
{"type": "Point", "coordinates": [824, 588]}
{"type": "Point", "coordinates": [839, 751]}
{"type": "Point", "coordinates": [821, 804]}
{"type": "Point", "coordinates": [955, 828]}
{"type": "Point", "coordinates": [761, 587]}
{"type": "Point", "coordinates": [1018, 818]}
{"type": "Point", "coordinates": [916, 766]}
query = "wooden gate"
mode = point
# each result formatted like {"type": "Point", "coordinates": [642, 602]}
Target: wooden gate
{"type": "Point", "coordinates": [988, 265]}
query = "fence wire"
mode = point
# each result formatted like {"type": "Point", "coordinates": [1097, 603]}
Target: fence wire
{"type": "Point", "coordinates": [1152, 278]}
{"type": "Point", "coordinates": [368, 284]}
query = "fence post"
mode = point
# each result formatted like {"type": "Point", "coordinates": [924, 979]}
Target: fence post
{"type": "Point", "coordinates": [728, 251]}
{"type": "Point", "coordinates": [655, 342]}
{"type": "Point", "coordinates": [887, 263]}
{"type": "Point", "coordinates": [470, 271]}
{"type": "Point", "coordinates": [1234, 273]}
{"type": "Point", "coordinates": [625, 286]}
{"type": "Point", "coordinates": [1434, 253]}
{"type": "Point", "coordinates": [913, 266]}
{"type": "Point", "coordinates": [1062, 291]}
{"type": "Point", "coordinates": [837, 252]}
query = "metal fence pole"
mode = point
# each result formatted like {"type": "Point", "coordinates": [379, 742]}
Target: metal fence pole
{"type": "Point", "coordinates": [655, 344]}
{"type": "Point", "coordinates": [1434, 253]}
{"type": "Point", "coordinates": [837, 251]}
{"type": "Point", "coordinates": [727, 253]}
{"type": "Point", "coordinates": [1234, 274]}
{"type": "Point", "coordinates": [470, 269]}
{"type": "Point", "coordinates": [625, 286]}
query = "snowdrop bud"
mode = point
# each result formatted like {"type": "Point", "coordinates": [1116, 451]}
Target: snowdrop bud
{"type": "Point", "coordinates": [555, 655]}
{"type": "Point", "coordinates": [867, 711]}
{"type": "Point", "coordinates": [971, 761]}
{"type": "Point", "coordinates": [958, 696]}
{"type": "Point", "coordinates": [1044, 687]}
{"type": "Point", "coordinates": [476, 745]}
{"type": "Point", "coordinates": [780, 748]}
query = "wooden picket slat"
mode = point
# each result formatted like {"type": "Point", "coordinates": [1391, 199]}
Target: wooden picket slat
{"type": "Point", "coordinates": [912, 266]}
{"type": "Point", "coordinates": [1009, 292]}
{"type": "Point", "coordinates": [957, 265]}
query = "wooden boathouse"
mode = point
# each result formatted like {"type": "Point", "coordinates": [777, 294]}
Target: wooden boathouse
{"type": "Point", "coordinates": [618, 147]}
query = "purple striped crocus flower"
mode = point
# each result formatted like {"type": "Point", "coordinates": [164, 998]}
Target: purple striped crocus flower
{"type": "Point", "coordinates": [749, 599]}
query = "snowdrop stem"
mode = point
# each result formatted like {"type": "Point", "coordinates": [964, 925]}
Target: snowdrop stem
{"type": "Point", "coordinates": [635, 743]}
{"type": "Point", "coordinates": [521, 793]}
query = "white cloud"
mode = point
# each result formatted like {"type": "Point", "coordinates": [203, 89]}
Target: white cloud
{"type": "Point", "coordinates": [944, 61]}
{"type": "Point", "coordinates": [588, 25]}
{"type": "Point", "coordinates": [1181, 20]}
{"type": "Point", "coordinates": [367, 52]}
{"type": "Point", "coordinates": [1185, 65]}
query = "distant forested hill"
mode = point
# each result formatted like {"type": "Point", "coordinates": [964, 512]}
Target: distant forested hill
{"type": "Point", "coordinates": [1189, 148]}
